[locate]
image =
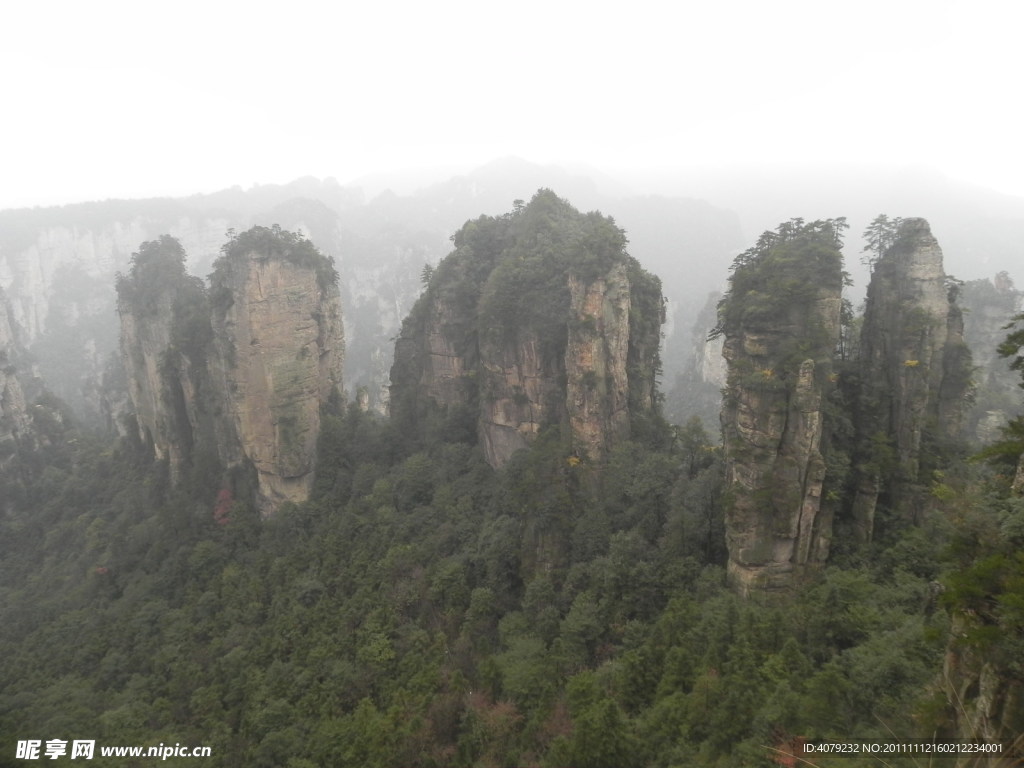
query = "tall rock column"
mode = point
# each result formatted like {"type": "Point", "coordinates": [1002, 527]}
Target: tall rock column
{"type": "Point", "coordinates": [165, 333]}
{"type": "Point", "coordinates": [596, 356]}
{"type": "Point", "coordinates": [916, 371]}
{"type": "Point", "coordinates": [780, 320]}
{"type": "Point", "coordinates": [14, 416]}
{"type": "Point", "coordinates": [278, 333]}
{"type": "Point", "coordinates": [537, 319]}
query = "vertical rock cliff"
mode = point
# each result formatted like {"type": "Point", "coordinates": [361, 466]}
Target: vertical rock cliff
{"type": "Point", "coordinates": [239, 373]}
{"type": "Point", "coordinates": [915, 375]}
{"type": "Point", "coordinates": [279, 343]}
{"type": "Point", "coordinates": [165, 335]}
{"type": "Point", "coordinates": [14, 414]}
{"type": "Point", "coordinates": [780, 321]}
{"type": "Point", "coordinates": [538, 319]}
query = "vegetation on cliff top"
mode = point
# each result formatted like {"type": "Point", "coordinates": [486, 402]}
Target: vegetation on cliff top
{"type": "Point", "coordinates": [273, 243]}
{"type": "Point", "coordinates": [507, 280]}
{"type": "Point", "coordinates": [156, 269]}
{"type": "Point", "coordinates": [158, 280]}
{"type": "Point", "coordinates": [773, 292]}
{"type": "Point", "coordinates": [786, 269]}
{"type": "Point", "coordinates": [513, 269]}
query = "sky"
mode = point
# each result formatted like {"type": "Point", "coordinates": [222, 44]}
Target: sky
{"type": "Point", "coordinates": [128, 99]}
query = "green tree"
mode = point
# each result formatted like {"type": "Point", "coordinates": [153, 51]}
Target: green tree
{"type": "Point", "coordinates": [1009, 451]}
{"type": "Point", "coordinates": [879, 236]}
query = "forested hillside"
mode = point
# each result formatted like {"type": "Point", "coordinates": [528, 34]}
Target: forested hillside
{"type": "Point", "coordinates": [424, 608]}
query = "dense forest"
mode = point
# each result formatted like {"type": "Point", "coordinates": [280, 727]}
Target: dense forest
{"type": "Point", "coordinates": [410, 614]}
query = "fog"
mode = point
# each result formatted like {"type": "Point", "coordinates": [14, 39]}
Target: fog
{"type": "Point", "coordinates": [115, 100]}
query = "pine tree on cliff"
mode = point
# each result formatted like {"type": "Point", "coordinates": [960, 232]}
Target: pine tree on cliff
{"type": "Point", "coordinates": [879, 236]}
{"type": "Point", "coordinates": [1008, 452]}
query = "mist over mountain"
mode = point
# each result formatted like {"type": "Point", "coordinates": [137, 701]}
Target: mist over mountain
{"type": "Point", "coordinates": [685, 226]}
{"type": "Point", "coordinates": [57, 263]}
{"type": "Point", "coordinates": [982, 230]}
{"type": "Point", "coordinates": [495, 549]}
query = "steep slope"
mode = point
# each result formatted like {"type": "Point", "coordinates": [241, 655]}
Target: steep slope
{"type": "Point", "coordinates": [538, 318]}
{"type": "Point", "coordinates": [915, 374]}
{"type": "Point", "coordinates": [780, 320]}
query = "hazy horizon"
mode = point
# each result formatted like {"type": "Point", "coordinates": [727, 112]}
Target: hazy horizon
{"type": "Point", "coordinates": [114, 101]}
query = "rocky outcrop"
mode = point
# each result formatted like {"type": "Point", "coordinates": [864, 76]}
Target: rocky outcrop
{"type": "Point", "coordinates": [537, 319]}
{"type": "Point", "coordinates": [15, 419]}
{"type": "Point", "coordinates": [915, 374]}
{"type": "Point", "coordinates": [596, 359]}
{"type": "Point", "coordinates": [279, 348]}
{"type": "Point", "coordinates": [30, 416]}
{"type": "Point", "coordinates": [780, 321]}
{"type": "Point", "coordinates": [239, 373]}
{"type": "Point", "coordinates": [147, 296]}
{"type": "Point", "coordinates": [987, 699]}
{"type": "Point", "coordinates": [521, 394]}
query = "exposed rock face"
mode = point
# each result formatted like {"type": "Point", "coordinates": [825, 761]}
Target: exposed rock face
{"type": "Point", "coordinates": [510, 338]}
{"type": "Point", "coordinates": [916, 371]}
{"type": "Point", "coordinates": [526, 389]}
{"type": "Point", "coordinates": [14, 415]}
{"type": "Point", "coordinates": [596, 359]}
{"type": "Point", "coordinates": [145, 338]}
{"type": "Point", "coordinates": [780, 321]}
{"type": "Point", "coordinates": [448, 362]}
{"type": "Point", "coordinates": [280, 345]}
{"type": "Point", "coordinates": [521, 395]}
{"type": "Point", "coordinates": [245, 380]}
{"type": "Point", "coordinates": [988, 700]}
{"type": "Point", "coordinates": [165, 335]}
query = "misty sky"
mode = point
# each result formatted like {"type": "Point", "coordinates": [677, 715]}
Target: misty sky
{"type": "Point", "coordinates": [128, 99]}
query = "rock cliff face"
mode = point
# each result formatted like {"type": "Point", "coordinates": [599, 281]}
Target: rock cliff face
{"type": "Point", "coordinates": [987, 698]}
{"type": "Point", "coordinates": [14, 415]}
{"type": "Point", "coordinates": [240, 373]}
{"type": "Point", "coordinates": [915, 371]}
{"type": "Point", "coordinates": [537, 319]}
{"type": "Point", "coordinates": [279, 350]}
{"type": "Point", "coordinates": [161, 378]}
{"type": "Point", "coordinates": [780, 321]}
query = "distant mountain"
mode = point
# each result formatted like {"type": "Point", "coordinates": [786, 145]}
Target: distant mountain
{"type": "Point", "coordinates": [58, 264]}
{"type": "Point", "coordinates": [982, 231]}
